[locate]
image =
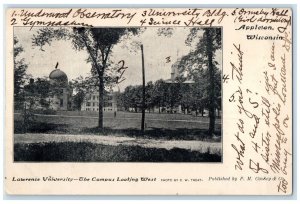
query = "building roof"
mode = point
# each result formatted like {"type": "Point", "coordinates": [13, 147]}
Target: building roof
{"type": "Point", "coordinates": [59, 75]}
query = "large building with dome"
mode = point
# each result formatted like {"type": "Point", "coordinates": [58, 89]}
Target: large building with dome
{"type": "Point", "coordinates": [61, 97]}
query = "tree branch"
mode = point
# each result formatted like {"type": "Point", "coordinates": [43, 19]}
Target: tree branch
{"type": "Point", "coordinates": [91, 53]}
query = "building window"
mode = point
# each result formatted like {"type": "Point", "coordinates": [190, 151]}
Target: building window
{"type": "Point", "coordinates": [93, 104]}
{"type": "Point", "coordinates": [94, 97]}
{"type": "Point", "coordinates": [88, 103]}
{"type": "Point", "coordinates": [61, 102]}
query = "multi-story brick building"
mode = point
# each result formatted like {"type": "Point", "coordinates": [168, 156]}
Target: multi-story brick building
{"type": "Point", "coordinates": [91, 102]}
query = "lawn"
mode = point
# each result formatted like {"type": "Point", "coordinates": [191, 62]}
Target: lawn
{"type": "Point", "coordinates": [158, 126]}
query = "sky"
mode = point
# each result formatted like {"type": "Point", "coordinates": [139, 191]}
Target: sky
{"type": "Point", "coordinates": [73, 63]}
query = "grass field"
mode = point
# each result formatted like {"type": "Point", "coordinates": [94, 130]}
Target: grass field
{"type": "Point", "coordinates": [158, 126]}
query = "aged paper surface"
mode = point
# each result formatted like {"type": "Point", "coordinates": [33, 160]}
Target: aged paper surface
{"type": "Point", "coordinates": [244, 54]}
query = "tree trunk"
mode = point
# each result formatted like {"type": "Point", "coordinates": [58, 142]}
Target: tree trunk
{"type": "Point", "coordinates": [211, 91]}
{"type": "Point", "coordinates": [144, 92]}
{"type": "Point", "coordinates": [159, 107]}
{"type": "Point", "coordinates": [101, 101]}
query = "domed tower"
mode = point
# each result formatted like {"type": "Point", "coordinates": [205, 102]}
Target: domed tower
{"type": "Point", "coordinates": [59, 81]}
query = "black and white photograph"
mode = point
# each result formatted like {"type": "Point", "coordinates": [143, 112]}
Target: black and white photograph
{"type": "Point", "coordinates": [117, 94]}
{"type": "Point", "coordinates": [149, 101]}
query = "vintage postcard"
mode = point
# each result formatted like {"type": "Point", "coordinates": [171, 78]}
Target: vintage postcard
{"type": "Point", "coordinates": [149, 101]}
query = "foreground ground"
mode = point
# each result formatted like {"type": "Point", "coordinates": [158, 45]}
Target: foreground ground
{"type": "Point", "coordinates": [43, 147]}
{"type": "Point", "coordinates": [200, 146]}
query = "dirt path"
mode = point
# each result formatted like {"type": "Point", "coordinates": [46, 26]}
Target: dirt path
{"type": "Point", "coordinates": [200, 146]}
